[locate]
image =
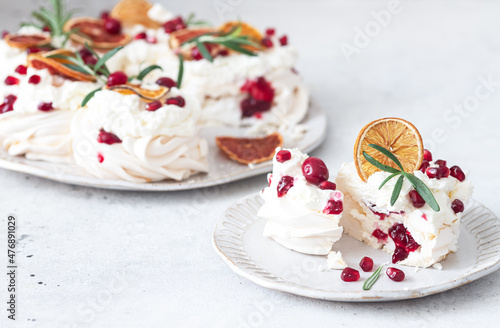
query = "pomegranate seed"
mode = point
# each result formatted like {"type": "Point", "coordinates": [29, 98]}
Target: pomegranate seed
{"type": "Point", "coordinates": [46, 29]}
{"type": "Point", "coordinates": [178, 101]}
{"type": "Point", "coordinates": [166, 82]}
{"type": "Point", "coordinates": [266, 42]}
{"type": "Point", "coordinates": [432, 173]}
{"type": "Point", "coordinates": [174, 25]}
{"type": "Point", "coordinates": [416, 199]}
{"type": "Point", "coordinates": [104, 14]}
{"type": "Point", "coordinates": [427, 155]}
{"type": "Point", "coordinates": [284, 40]}
{"type": "Point", "coordinates": [90, 60]}
{"type": "Point", "coordinates": [251, 106]}
{"type": "Point", "coordinates": [333, 207]}
{"type": "Point", "coordinates": [457, 206]}
{"type": "Point", "coordinates": [440, 162]}
{"type": "Point", "coordinates": [33, 50]}
{"type": "Point", "coordinates": [411, 245]}
{"type": "Point", "coordinates": [112, 26]}
{"type": "Point", "coordinates": [366, 264]}
{"type": "Point", "coordinates": [84, 52]}
{"type": "Point", "coordinates": [315, 170]}
{"type": "Point", "coordinates": [270, 31]}
{"type": "Point", "coordinates": [457, 173]}
{"type": "Point", "coordinates": [395, 274]}
{"type": "Point", "coordinates": [100, 158]}
{"type": "Point", "coordinates": [45, 107]}
{"type": "Point", "coordinates": [107, 137]}
{"type": "Point", "coordinates": [262, 90]}
{"type": "Point", "coordinates": [21, 69]}
{"type": "Point", "coordinates": [327, 185]}
{"type": "Point", "coordinates": [10, 80]}
{"type": "Point", "coordinates": [443, 172]}
{"type": "Point", "coordinates": [140, 36]}
{"type": "Point", "coordinates": [153, 106]}
{"type": "Point", "coordinates": [223, 53]}
{"type": "Point", "coordinates": [283, 156]}
{"type": "Point", "coordinates": [4, 34]}
{"type": "Point", "coordinates": [399, 254]}
{"type": "Point", "coordinates": [34, 79]}
{"type": "Point", "coordinates": [398, 234]}
{"type": "Point", "coordinates": [285, 183]}
{"type": "Point", "coordinates": [349, 274]}
{"type": "Point", "coordinates": [4, 108]}
{"type": "Point", "coordinates": [196, 54]}
{"type": "Point", "coordinates": [10, 99]}
{"type": "Point", "coordinates": [117, 78]}
{"type": "Point", "coordinates": [380, 235]}
{"type": "Point", "coordinates": [424, 166]}
{"type": "Point", "coordinates": [151, 39]}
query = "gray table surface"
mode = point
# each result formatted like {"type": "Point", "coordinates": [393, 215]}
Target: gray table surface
{"type": "Point", "coordinates": [101, 258]}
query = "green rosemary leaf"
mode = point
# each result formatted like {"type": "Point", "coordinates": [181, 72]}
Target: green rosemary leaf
{"type": "Point", "coordinates": [397, 190]}
{"type": "Point", "coordinates": [373, 279]}
{"type": "Point", "coordinates": [148, 70]}
{"type": "Point", "coordinates": [204, 51]}
{"type": "Point", "coordinates": [388, 178]}
{"type": "Point", "coordinates": [181, 71]}
{"type": "Point", "coordinates": [89, 96]}
{"type": "Point", "coordinates": [239, 49]}
{"type": "Point", "coordinates": [423, 191]}
{"type": "Point", "coordinates": [379, 165]}
{"type": "Point", "coordinates": [388, 154]}
{"type": "Point", "coordinates": [77, 68]}
{"type": "Point", "coordinates": [102, 61]}
{"type": "Point", "coordinates": [190, 21]}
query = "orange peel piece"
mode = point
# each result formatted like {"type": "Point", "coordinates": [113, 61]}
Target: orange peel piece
{"type": "Point", "coordinates": [26, 41]}
{"type": "Point", "coordinates": [130, 89]}
{"type": "Point", "coordinates": [250, 150]}
{"type": "Point", "coordinates": [56, 65]}
{"type": "Point", "coordinates": [132, 12]}
{"type": "Point", "coordinates": [92, 31]}
{"type": "Point", "coordinates": [246, 30]}
{"type": "Point", "coordinates": [395, 134]}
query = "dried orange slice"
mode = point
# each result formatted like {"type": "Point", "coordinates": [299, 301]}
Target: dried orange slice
{"type": "Point", "coordinates": [56, 65]}
{"type": "Point", "coordinates": [92, 31]}
{"type": "Point", "coordinates": [132, 12]}
{"type": "Point", "coordinates": [177, 38]}
{"type": "Point", "coordinates": [26, 41]}
{"type": "Point", "coordinates": [395, 134]}
{"type": "Point", "coordinates": [130, 89]}
{"type": "Point", "coordinates": [246, 30]}
{"type": "Point", "coordinates": [250, 150]}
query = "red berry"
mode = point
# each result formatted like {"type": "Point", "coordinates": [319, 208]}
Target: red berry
{"type": "Point", "coordinates": [251, 106]}
{"type": "Point", "coordinates": [284, 40]}
{"type": "Point", "coordinates": [457, 206]}
{"type": "Point", "coordinates": [34, 79]}
{"type": "Point", "coordinates": [334, 207]}
{"type": "Point", "coordinates": [196, 54]}
{"type": "Point", "coordinates": [117, 78]}
{"type": "Point", "coordinates": [45, 107]}
{"type": "Point", "coordinates": [100, 158]}
{"type": "Point", "coordinates": [178, 101]}
{"type": "Point", "coordinates": [260, 89]}
{"type": "Point", "coordinates": [424, 166]}
{"type": "Point", "coordinates": [440, 162]}
{"type": "Point", "coordinates": [432, 173]}
{"type": "Point", "coordinates": [457, 173]}
{"type": "Point", "coordinates": [266, 42]}
{"type": "Point", "coordinates": [112, 26]}
{"type": "Point", "coordinates": [380, 235]}
{"type": "Point", "coordinates": [270, 31]}
{"type": "Point", "coordinates": [4, 108]}
{"type": "Point", "coordinates": [315, 170]}
{"type": "Point", "coordinates": [107, 137]}
{"type": "Point", "coordinates": [427, 155]}
{"type": "Point", "coordinates": [443, 172]}
{"type": "Point", "coordinates": [166, 82]}
{"type": "Point", "coordinates": [10, 80]}
{"type": "Point", "coordinates": [416, 199]}
{"type": "Point", "coordinates": [223, 53]}
{"type": "Point", "coordinates": [140, 36]}
{"type": "Point", "coordinates": [21, 69]}
{"type": "Point", "coordinates": [84, 52]}
{"type": "Point", "coordinates": [399, 254]}
{"type": "Point", "coordinates": [104, 14]}
{"type": "Point", "coordinates": [153, 106]}
{"type": "Point", "coordinates": [283, 156]}
{"type": "Point", "coordinates": [327, 185]}
{"type": "Point", "coordinates": [395, 274]}
{"type": "Point", "coordinates": [285, 183]}
{"type": "Point", "coordinates": [90, 60]}
{"type": "Point", "coordinates": [366, 264]}
{"type": "Point", "coordinates": [174, 25]}
{"type": "Point", "coordinates": [349, 274]}
{"type": "Point", "coordinates": [10, 99]}
{"type": "Point", "coordinates": [46, 29]}
{"type": "Point", "coordinates": [398, 234]}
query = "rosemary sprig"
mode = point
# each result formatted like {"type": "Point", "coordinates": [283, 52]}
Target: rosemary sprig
{"type": "Point", "coordinates": [373, 278]}
{"type": "Point", "coordinates": [148, 70]}
{"type": "Point", "coordinates": [419, 186]}
{"type": "Point", "coordinates": [181, 71]}
{"type": "Point", "coordinates": [190, 21]}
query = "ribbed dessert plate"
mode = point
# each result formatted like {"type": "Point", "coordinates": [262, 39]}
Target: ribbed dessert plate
{"type": "Point", "coordinates": [239, 241]}
{"type": "Point", "coordinates": [222, 170]}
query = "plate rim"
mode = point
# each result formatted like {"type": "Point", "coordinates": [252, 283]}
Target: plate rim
{"type": "Point", "coordinates": [353, 296]}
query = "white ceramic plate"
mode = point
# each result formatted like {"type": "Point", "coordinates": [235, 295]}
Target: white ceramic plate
{"type": "Point", "coordinates": [239, 241]}
{"type": "Point", "coordinates": [222, 170]}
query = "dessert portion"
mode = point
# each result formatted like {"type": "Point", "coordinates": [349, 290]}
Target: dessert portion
{"type": "Point", "coordinates": [301, 206]}
{"type": "Point", "coordinates": [419, 225]}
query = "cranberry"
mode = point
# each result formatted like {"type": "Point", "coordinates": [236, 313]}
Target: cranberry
{"type": "Point", "coordinates": [45, 107]}
{"type": "Point", "coordinates": [104, 15]}
{"type": "Point", "coordinates": [270, 31]}
{"type": "Point", "coordinates": [334, 207]}
{"type": "Point", "coordinates": [107, 137]}
{"type": "Point", "coordinates": [178, 101]}
{"type": "Point", "coordinates": [283, 156]}
{"type": "Point", "coordinates": [266, 42]}
{"type": "Point", "coordinates": [315, 170]}
{"type": "Point", "coordinates": [427, 155]}
{"type": "Point", "coordinates": [432, 173]}
{"type": "Point", "coordinates": [284, 40]}
{"type": "Point", "coordinates": [327, 185]}
{"type": "Point", "coordinates": [34, 79]}
{"type": "Point", "coordinates": [10, 80]}
{"type": "Point", "coordinates": [416, 199]}
{"type": "Point", "coordinates": [21, 69]}
{"type": "Point", "coordinates": [457, 173]}
{"type": "Point", "coordinates": [399, 254]}
{"type": "Point", "coordinates": [166, 82]}
{"type": "Point", "coordinates": [380, 235]}
{"type": "Point", "coordinates": [285, 183]}
{"type": "Point", "coordinates": [366, 264]}
{"type": "Point", "coordinates": [174, 25]}
{"type": "Point", "coordinates": [251, 106]}
{"type": "Point", "coordinates": [140, 36]}
{"type": "Point", "coordinates": [153, 106]}
{"type": "Point", "coordinates": [100, 158]}
{"type": "Point", "coordinates": [424, 166]}
{"type": "Point", "coordinates": [33, 50]}
{"type": "Point", "coordinates": [443, 172]}
{"type": "Point", "coordinates": [349, 274]}
{"type": "Point", "coordinates": [112, 26]}
{"type": "Point", "coordinates": [395, 274]}
{"type": "Point", "coordinates": [457, 206]}
{"type": "Point", "coordinates": [117, 78]}
{"type": "Point", "coordinates": [440, 162]}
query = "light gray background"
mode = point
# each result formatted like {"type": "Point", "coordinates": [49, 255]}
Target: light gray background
{"type": "Point", "coordinates": [129, 259]}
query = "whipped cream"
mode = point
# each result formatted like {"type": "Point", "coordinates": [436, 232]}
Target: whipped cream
{"type": "Point", "coordinates": [159, 14]}
{"type": "Point", "coordinates": [296, 220]}
{"type": "Point", "coordinates": [335, 261]}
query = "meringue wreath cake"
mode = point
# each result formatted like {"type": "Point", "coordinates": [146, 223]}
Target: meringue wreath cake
{"type": "Point", "coordinates": [125, 95]}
